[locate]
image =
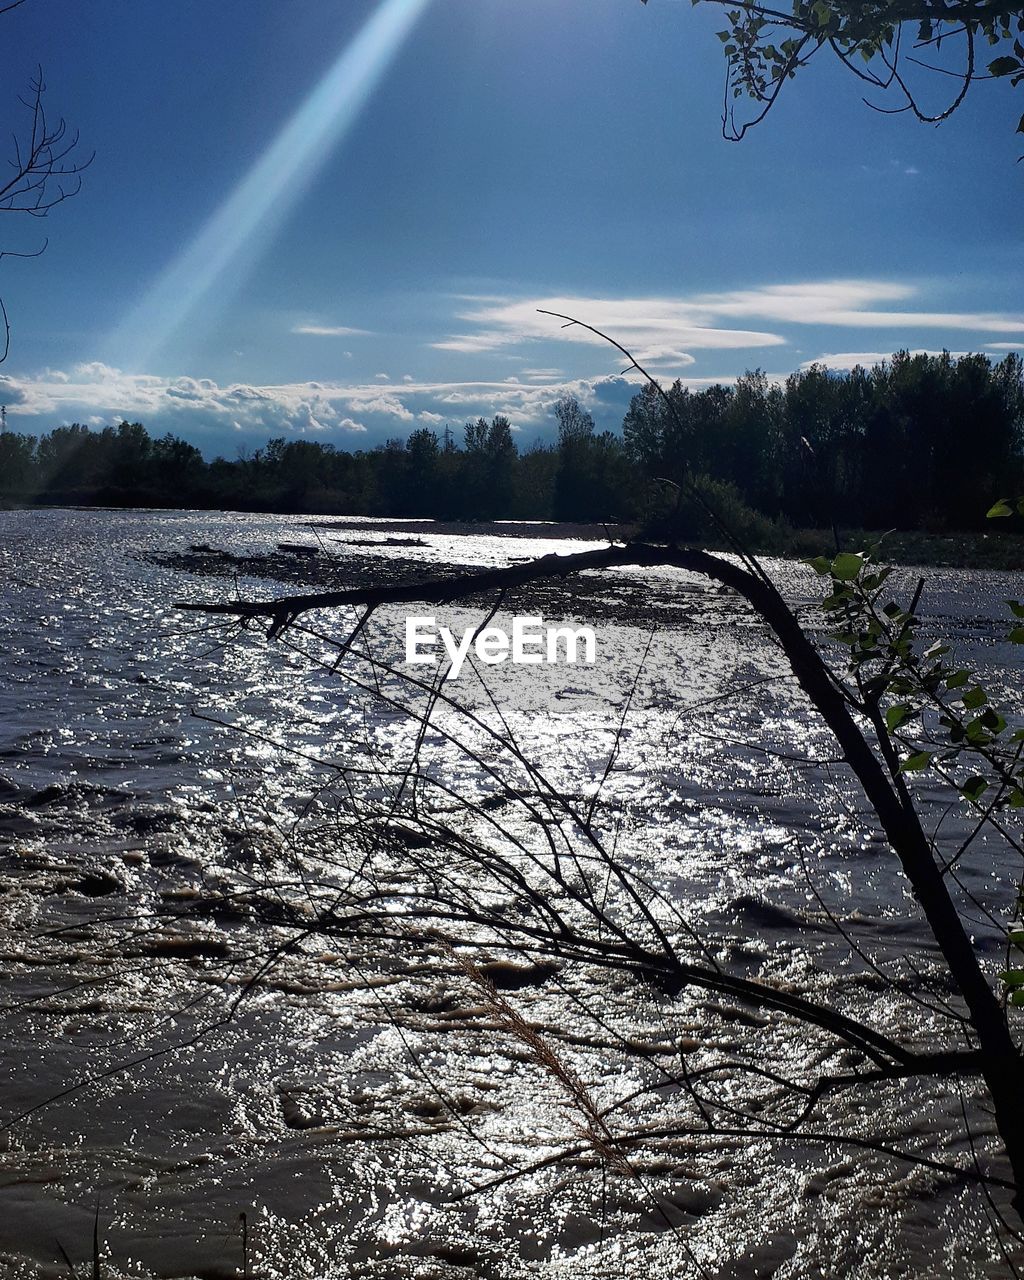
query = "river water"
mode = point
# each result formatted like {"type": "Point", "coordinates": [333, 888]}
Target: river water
{"type": "Point", "coordinates": [233, 1043]}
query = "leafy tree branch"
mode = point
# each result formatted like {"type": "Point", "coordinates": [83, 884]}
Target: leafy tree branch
{"type": "Point", "coordinates": [766, 46]}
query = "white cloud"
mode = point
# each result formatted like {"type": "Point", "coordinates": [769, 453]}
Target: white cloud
{"type": "Point", "coordinates": [97, 393]}
{"type": "Point", "coordinates": [330, 330]}
{"type": "Point", "coordinates": [389, 405]}
{"type": "Point", "coordinates": [11, 391]}
{"type": "Point", "coordinates": [96, 371]}
{"type": "Point", "coordinates": [206, 412]}
{"type": "Point", "coordinates": [847, 360]}
{"type": "Point", "coordinates": [849, 303]}
{"type": "Point", "coordinates": [656, 330]}
{"type": "Point", "coordinates": [486, 341]}
{"type": "Point", "coordinates": [665, 330]}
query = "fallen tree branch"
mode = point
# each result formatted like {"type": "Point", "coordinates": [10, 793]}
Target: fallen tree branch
{"type": "Point", "coordinates": [1001, 1061]}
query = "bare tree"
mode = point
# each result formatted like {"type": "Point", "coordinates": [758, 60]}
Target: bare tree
{"type": "Point", "coordinates": [44, 170]}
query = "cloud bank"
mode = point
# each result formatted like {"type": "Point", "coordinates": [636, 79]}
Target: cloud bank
{"type": "Point", "coordinates": [219, 418]}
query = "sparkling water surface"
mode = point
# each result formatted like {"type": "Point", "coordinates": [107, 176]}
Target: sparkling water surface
{"type": "Point", "coordinates": [353, 1099]}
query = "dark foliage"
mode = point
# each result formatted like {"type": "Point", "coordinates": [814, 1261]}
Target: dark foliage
{"type": "Point", "coordinates": [918, 442]}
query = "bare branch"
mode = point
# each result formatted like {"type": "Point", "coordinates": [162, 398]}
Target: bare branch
{"type": "Point", "coordinates": [46, 171]}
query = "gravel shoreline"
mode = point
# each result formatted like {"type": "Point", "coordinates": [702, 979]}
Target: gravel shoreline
{"type": "Point", "coordinates": [328, 563]}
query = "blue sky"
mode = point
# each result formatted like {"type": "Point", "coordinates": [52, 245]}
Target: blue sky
{"type": "Point", "coordinates": [338, 219]}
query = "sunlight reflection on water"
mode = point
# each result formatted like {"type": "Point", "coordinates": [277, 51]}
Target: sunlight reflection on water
{"type": "Point", "coordinates": [357, 1089]}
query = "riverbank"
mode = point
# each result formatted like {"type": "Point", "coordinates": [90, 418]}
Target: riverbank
{"type": "Point", "coordinates": [969, 550]}
{"type": "Point", "coordinates": [995, 548]}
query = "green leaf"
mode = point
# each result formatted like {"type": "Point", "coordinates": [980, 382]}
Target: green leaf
{"type": "Point", "coordinates": [977, 734]}
{"type": "Point", "coordinates": [958, 679]}
{"type": "Point", "coordinates": [1003, 66]}
{"type": "Point", "coordinates": [974, 698]}
{"type": "Point", "coordinates": [915, 763]}
{"type": "Point", "coordinates": [999, 509]}
{"type": "Point", "coordinates": [1013, 977]}
{"type": "Point", "coordinates": [847, 565]}
{"type": "Point", "coordinates": [820, 564]}
{"type": "Point", "coordinates": [974, 788]}
{"type": "Point", "coordinates": [1016, 636]}
{"type": "Point", "coordinates": [897, 715]}
{"type": "Point", "coordinates": [993, 721]}
{"type": "Point", "coordinates": [1016, 936]}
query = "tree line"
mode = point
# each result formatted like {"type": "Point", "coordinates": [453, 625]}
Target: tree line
{"type": "Point", "coordinates": [917, 442]}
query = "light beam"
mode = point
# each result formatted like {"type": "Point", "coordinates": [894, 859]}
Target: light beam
{"type": "Point", "coordinates": [246, 221]}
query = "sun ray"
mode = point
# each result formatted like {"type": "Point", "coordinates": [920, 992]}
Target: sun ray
{"type": "Point", "coordinates": [244, 224]}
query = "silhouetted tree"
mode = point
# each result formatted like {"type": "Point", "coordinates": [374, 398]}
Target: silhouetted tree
{"type": "Point", "coordinates": [178, 466]}
{"type": "Point", "coordinates": [17, 464]}
{"type": "Point", "coordinates": [422, 467]}
{"type": "Point", "coordinates": [63, 459]}
{"type": "Point", "coordinates": [129, 452]}
{"type": "Point", "coordinates": [750, 443]}
{"type": "Point", "coordinates": [502, 456]}
{"type": "Point", "coordinates": [575, 458]}
{"type": "Point", "coordinates": [488, 469]}
{"type": "Point", "coordinates": [535, 499]}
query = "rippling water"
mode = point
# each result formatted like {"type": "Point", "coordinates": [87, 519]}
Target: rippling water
{"type": "Point", "coordinates": [181, 1066]}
